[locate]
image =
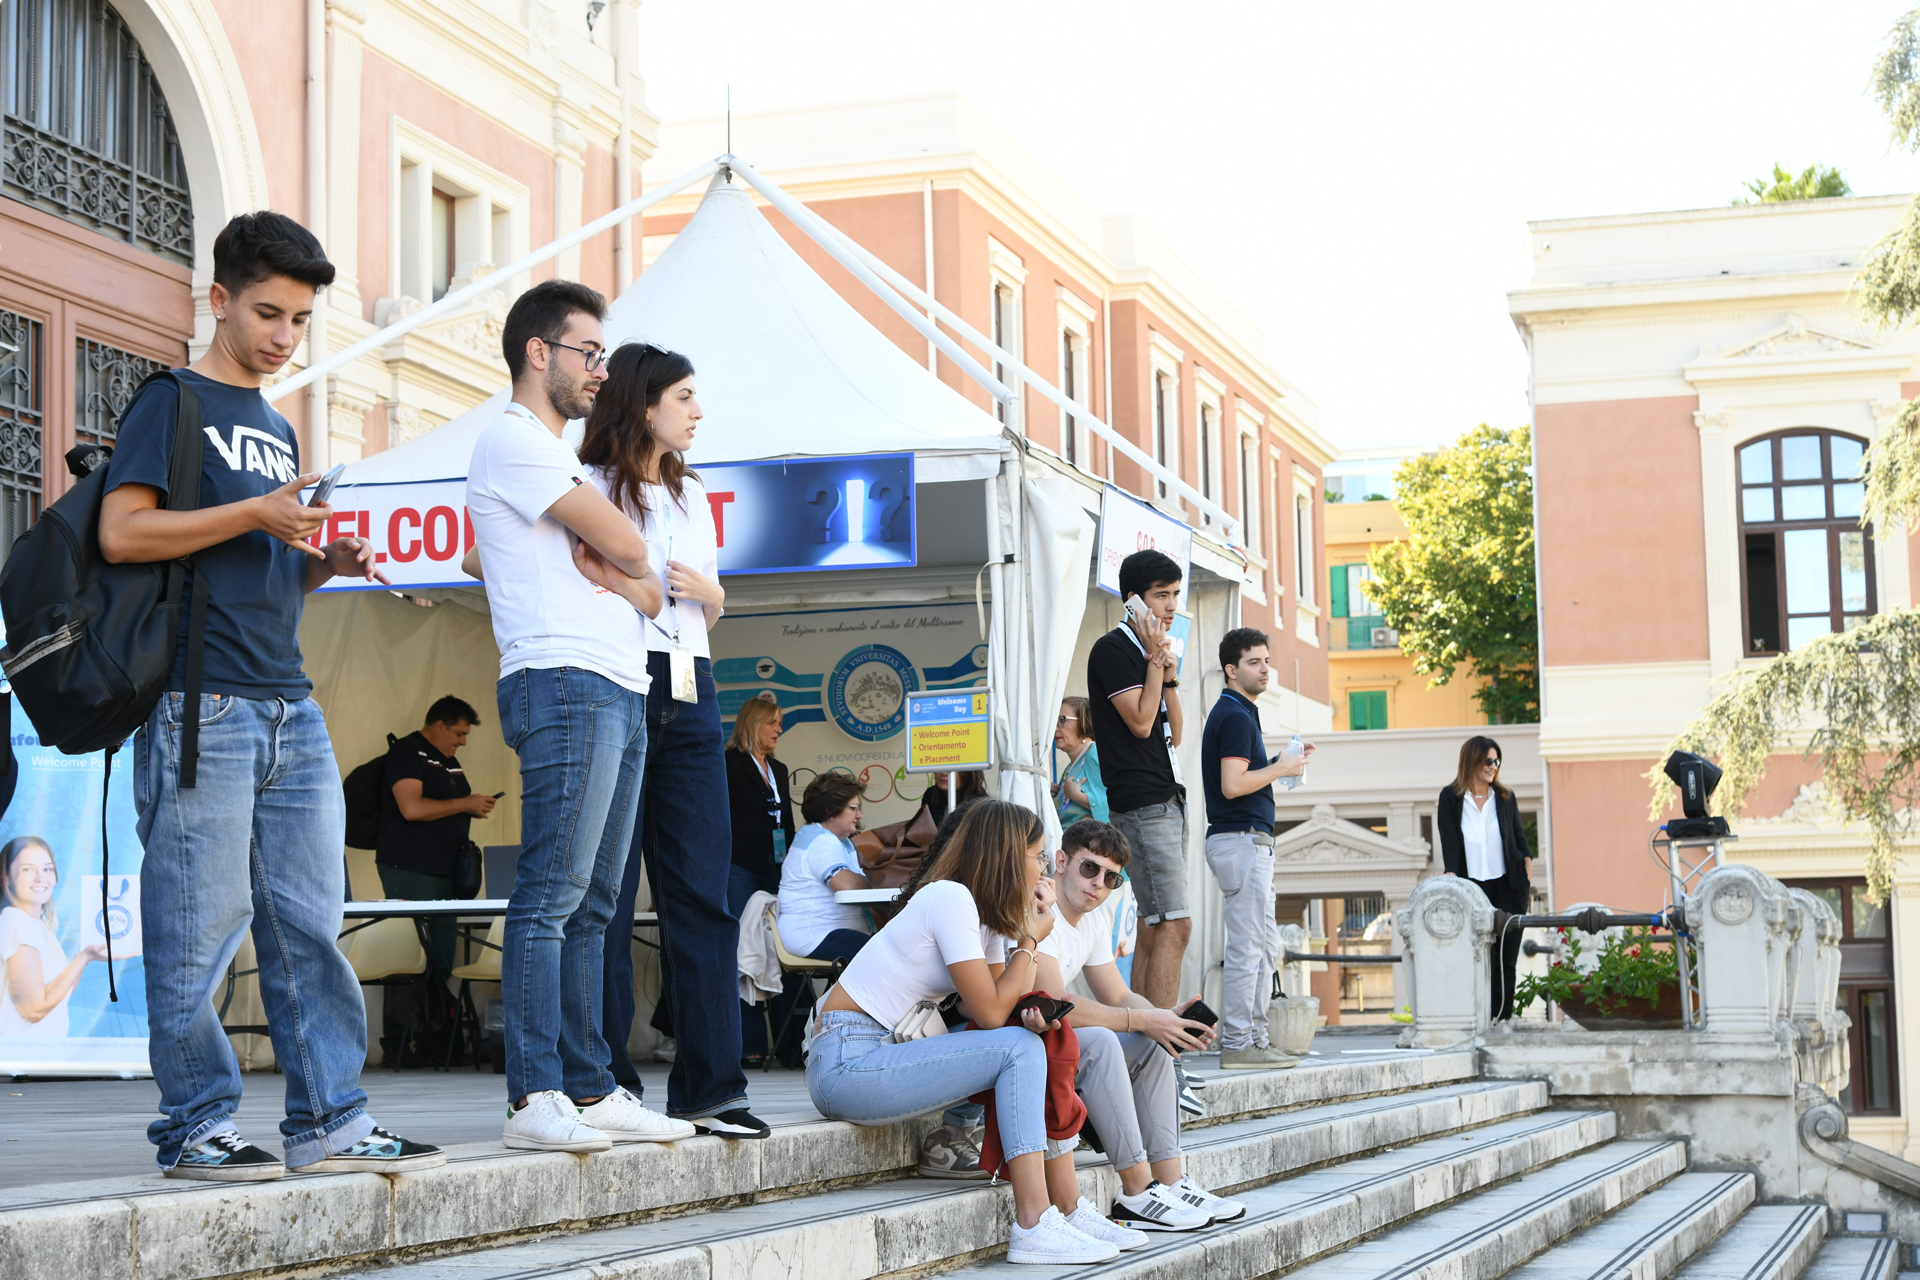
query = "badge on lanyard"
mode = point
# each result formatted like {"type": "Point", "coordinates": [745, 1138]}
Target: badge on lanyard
{"type": "Point", "coordinates": [779, 838]}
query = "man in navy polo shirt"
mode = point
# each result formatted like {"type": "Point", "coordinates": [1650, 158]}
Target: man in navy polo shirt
{"type": "Point", "coordinates": [1238, 780]}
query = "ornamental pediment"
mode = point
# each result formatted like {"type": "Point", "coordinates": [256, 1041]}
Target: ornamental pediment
{"type": "Point", "coordinates": [1791, 337]}
{"type": "Point", "coordinates": [1794, 348]}
{"type": "Point", "coordinates": [1328, 839]}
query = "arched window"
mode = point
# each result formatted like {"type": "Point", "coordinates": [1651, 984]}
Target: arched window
{"type": "Point", "coordinates": [1808, 563]}
{"type": "Point", "coordinates": [87, 133]}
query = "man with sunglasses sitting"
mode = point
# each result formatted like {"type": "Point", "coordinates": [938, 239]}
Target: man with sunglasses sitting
{"type": "Point", "coordinates": [1127, 1046]}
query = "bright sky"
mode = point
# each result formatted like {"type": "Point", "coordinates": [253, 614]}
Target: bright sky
{"type": "Point", "coordinates": [1356, 177]}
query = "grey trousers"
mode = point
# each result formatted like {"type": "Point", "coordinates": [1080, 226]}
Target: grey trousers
{"type": "Point", "coordinates": [1243, 864]}
{"type": "Point", "coordinates": [1127, 1081]}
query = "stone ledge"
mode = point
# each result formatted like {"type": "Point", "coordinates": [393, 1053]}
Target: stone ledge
{"type": "Point", "coordinates": [1589, 1064]}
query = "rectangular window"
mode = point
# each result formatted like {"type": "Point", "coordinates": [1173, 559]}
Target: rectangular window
{"type": "Point", "coordinates": [1867, 994]}
{"type": "Point", "coordinates": [1163, 431]}
{"type": "Point", "coordinates": [443, 268]}
{"type": "Point", "coordinates": [1070, 384]}
{"type": "Point", "coordinates": [1367, 709]}
{"type": "Point", "coordinates": [1205, 422]}
{"type": "Point", "coordinates": [1002, 334]}
{"type": "Point", "coordinates": [1250, 491]}
{"type": "Point", "coordinates": [1763, 594]}
{"type": "Point", "coordinates": [1303, 545]}
{"type": "Point", "coordinates": [22, 426]}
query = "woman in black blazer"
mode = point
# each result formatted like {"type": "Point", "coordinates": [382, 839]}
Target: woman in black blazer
{"type": "Point", "coordinates": [762, 807]}
{"type": "Point", "coordinates": [1481, 840]}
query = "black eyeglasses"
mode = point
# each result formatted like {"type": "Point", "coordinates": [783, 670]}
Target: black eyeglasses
{"type": "Point", "coordinates": [1091, 870]}
{"type": "Point", "coordinates": [594, 358]}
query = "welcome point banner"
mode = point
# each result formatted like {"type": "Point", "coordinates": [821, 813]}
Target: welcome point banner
{"type": "Point", "coordinates": [782, 516]}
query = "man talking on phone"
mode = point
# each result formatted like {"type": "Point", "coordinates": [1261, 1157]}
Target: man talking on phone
{"type": "Point", "coordinates": [1127, 1072]}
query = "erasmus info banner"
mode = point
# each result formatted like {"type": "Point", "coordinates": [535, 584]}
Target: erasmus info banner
{"type": "Point", "coordinates": [51, 833]}
{"type": "Point", "coordinates": [786, 516]}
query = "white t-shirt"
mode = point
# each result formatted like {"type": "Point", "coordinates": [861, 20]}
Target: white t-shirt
{"type": "Point", "coordinates": [1080, 946]}
{"type": "Point", "coordinates": [18, 929]}
{"type": "Point", "coordinates": [907, 960]}
{"type": "Point", "coordinates": [545, 614]}
{"type": "Point", "coordinates": [808, 912]}
{"type": "Point", "coordinates": [1480, 831]}
{"type": "Point", "coordinates": [693, 542]}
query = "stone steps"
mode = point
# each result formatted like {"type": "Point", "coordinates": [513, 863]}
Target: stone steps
{"type": "Point", "coordinates": [148, 1228]}
{"type": "Point", "coordinates": [1854, 1258]}
{"type": "Point", "coordinates": [910, 1226]}
{"type": "Point", "coordinates": [1650, 1238]}
{"type": "Point", "coordinates": [1772, 1242]}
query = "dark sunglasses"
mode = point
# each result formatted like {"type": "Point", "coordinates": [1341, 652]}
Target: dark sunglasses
{"type": "Point", "coordinates": [1091, 870]}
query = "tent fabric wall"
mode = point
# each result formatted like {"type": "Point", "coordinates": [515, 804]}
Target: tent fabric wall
{"type": "Point", "coordinates": [1060, 538]}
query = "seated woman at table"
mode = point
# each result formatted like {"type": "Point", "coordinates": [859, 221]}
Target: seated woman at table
{"type": "Point", "coordinates": [823, 860]}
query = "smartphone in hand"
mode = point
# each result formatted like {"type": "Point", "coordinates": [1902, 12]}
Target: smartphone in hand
{"type": "Point", "coordinates": [324, 490]}
{"type": "Point", "coordinates": [1199, 1012]}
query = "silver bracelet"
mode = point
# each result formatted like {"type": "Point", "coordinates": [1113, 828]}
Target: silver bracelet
{"type": "Point", "coordinates": [1031, 958]}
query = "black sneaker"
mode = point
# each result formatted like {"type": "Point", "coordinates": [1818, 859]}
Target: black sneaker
{"type": "Point", "coordinates": [380, 1152]}
{"type": "Point", "coordinates": [738, 1123]}
{"type": "Point", "coordinates": [227, 1157]}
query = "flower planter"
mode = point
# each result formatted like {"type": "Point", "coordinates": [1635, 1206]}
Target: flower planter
{"type": "Point", "coordinates": [1292, 1022]}
{"type": "Point", "coordinates": [1629, 1013]}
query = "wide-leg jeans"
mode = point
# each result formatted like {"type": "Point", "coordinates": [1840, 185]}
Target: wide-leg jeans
{"type": "Point", "coordinates": [254, 844]}
{"type": "Point", "coordinates": [582, 740]}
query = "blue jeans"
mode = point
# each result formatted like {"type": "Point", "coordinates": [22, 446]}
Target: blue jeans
{"type": "Point", "coordinates": [684, 837]}
{"type": "Point", "coordinates": [855, 1072]}
{"type": "Point", "coordinates": [581, 739]}
{"type": "Point", "coordinates": [255, 843]}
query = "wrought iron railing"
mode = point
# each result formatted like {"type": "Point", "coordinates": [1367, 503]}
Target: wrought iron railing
{"type": "Point", "coordinates": [104, 379]}
{"type": "Point", "coordinates": [22, 426]}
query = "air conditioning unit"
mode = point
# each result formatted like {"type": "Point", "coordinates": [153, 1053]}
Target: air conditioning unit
{"type": "Point", "coordinates": [1385, 638]}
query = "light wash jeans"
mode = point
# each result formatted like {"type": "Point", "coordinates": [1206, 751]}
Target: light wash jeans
{"type": "Point", "coordinates": [1243, 864]}
{"type": "Point", "coordinates": [856, 1072]}
{"type": "Point", "coordinates": [255, 843]}
{"type": "Point", "coordinates": [581, 740]}
{"type": "Point", "coordinates": [1127, 1081]}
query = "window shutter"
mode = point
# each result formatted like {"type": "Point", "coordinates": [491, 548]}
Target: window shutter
{"type": "Point", "coordinates": [1337, 590]}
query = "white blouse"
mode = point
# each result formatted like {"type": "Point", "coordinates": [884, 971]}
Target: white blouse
{"type": "Point", "coordinates": [1480, 830]}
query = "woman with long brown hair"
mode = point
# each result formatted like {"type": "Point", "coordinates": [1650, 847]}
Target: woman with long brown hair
{"type": "Point", "coordinates": [641, 426]}
{"type": "Point", "coordinates": [1481, 840]}
{"type": "Point", "coordinates": [985, 885]}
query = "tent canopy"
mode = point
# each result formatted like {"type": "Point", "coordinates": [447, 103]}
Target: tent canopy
{"type": "Point", "coordinates": [785, 366]}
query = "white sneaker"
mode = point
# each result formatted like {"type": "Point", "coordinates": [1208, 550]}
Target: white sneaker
{"type": "Point", "coordinates": [550, 1122]}
{"type": "Point", "coordinates": [1159, 1208]}
{"type": "Point", "coordinates": [1222, 1209]}
{"type": "Point", "coordinates": [624, 1118]}
{"type": "Point", "coordinates": [1053, 1242]}
{"type": "Point", "coordinates": [1088, 1222]}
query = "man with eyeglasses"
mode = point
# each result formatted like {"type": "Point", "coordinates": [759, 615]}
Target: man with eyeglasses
{"type": "Point", "coordinates": [565, 571]}
{"type": "Point", "coordinates": [1127, 1045]}
{"type": "Point", "coordinates": [1238, 779]}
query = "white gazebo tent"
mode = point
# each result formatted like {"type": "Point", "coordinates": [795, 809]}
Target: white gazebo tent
{"type": "Point", "coordinates": [786, 368]}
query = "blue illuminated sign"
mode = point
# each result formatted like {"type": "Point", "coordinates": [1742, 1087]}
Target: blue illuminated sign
{"type": "Point", "coordinates": [794, 515]}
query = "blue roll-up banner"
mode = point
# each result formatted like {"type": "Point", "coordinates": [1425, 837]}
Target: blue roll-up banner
{"type": "Point", "coordinates": [54, 917]}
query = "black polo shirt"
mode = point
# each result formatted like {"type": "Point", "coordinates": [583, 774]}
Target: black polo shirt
{"type": "Point", "coordinates": [426, 847]}
{"type": "Point", "coordinates": [1137, 771]}
{"type": "Point", "coordinates": [1233, 733]}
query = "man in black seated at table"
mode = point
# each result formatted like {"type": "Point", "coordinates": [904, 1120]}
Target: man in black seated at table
{"type": "Point", "coordinates": [420, 834]}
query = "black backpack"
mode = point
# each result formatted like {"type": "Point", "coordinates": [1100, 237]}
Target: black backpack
{"type": "Point", "coordinates": [90, 645]}
{"type": "Point", "coordinates": [367, 800]}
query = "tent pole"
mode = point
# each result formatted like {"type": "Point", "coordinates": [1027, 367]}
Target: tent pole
{"type": "Point", "coordinates": [407, 324]}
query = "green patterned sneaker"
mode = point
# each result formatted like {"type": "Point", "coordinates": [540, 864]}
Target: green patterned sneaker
{"type": "Point", "coordinates": [380, 1152]}
{"type": "Point", "coordinates": [227, 1157]}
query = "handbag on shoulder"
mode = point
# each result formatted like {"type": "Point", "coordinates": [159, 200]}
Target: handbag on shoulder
{"type": "Point", "coordinates": [467, 871]}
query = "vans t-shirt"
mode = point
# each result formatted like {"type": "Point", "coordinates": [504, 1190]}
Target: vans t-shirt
{"type": "Point", "coordinates": [545, 614]}
{"type": "Point", "coordinates": [256, 584]}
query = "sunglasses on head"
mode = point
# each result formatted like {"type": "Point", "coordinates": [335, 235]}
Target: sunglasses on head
{"type": "Point", "coordinates": [1091, 870]}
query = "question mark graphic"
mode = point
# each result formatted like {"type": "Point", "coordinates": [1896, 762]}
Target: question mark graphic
{"type": "Point", "coordinates": [832, 496]}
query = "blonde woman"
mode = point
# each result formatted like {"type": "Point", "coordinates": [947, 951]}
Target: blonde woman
{"type": "Point", "coordinates": [40, 978]}
{"type": "Point", "coordinates": [761, 800]}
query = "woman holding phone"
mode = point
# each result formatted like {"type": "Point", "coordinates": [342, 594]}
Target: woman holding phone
{"type": "Point", "coordinates": [987, 884]}
{"type": "Point", "coordinates": [641, 426]}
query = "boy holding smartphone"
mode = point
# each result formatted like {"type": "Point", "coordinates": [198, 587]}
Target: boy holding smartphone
{"type": "Point", "coordinates": [1127, 1046]}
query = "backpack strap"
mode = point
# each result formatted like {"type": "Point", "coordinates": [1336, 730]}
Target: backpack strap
{"type": "Point", "coordinates": [183, 494]}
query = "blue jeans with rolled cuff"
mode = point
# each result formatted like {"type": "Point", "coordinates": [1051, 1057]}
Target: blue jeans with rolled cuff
{"type": "Point", "coordinates": [253, 845]}
{"type": "Point", "coordinates": [581, 740]}
{"type": "Point", "coordinates": [683, 836]}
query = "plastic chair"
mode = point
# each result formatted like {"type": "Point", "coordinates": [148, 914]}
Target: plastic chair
{"type": "Point", "coordinates": [812, 970]}
{"type": "Point", "coordinates": [485, 969]}
{"type": "Point", "coordinates": [387, 953]}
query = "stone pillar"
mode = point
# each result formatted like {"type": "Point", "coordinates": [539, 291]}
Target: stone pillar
{"type": "Point", "coordinates": [569, 159]}
{"type": "Point", "coordinates": [1819, 1026]}
{"type": "Point", "coordinates": [344, 21]}
{"type": "Point", "coordinates": [1447, 931]}
{"type": "Point", "coordinates": [346, 424]}
{"type": "Point", "coordinates": [1739, 917]}
{"type": "Point", "coordinates": [1402, 979]}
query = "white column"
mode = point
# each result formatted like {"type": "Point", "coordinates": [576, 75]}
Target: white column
{"type": "Point", "coordinates": [1721, 540]}
{"type": "Point", "coordinates": [569, 157]}
{"type": "Point", "coordinates": [1447, 931]}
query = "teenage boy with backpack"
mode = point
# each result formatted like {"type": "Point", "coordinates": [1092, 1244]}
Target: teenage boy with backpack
{"type": "Point", "coordinates": [567, 578]}
{"type": "Point", "coordinates": [252, 837]}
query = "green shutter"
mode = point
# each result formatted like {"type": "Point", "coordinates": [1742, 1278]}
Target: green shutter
{"type": "Point", "coordinates": [1337, 590]}
{"type": "Point", "coordinates": [1367, 710]}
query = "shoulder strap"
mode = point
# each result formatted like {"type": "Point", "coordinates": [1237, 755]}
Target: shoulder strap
{"type": "Point", "coordinates": [183, 494]}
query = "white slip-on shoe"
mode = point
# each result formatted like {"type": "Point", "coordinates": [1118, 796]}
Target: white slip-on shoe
{"type": "Point", "coordinates": [1222, 1209]}
{"type": "Point", "coordinates": [1087, 1221]}
{"type": "Point", "coordinates": [1052, 1241]}
{"type": "Point", "coordinates": [550, 1122]}
{"type": "Point", "coordinates": [624, 1118]}
{"type": "Point", "coordinates": [1158, 1208]}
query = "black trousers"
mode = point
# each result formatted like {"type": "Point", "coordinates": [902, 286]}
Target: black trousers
{"type": "Point", "coordinates": [1513, 900]}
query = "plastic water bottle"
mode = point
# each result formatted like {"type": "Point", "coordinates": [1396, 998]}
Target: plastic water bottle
{"type": "Point", "coordinates": [1294, 748]}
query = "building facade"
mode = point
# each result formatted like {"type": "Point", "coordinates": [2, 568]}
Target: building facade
{"type": "Point", "coordinates": [1702, 392]}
